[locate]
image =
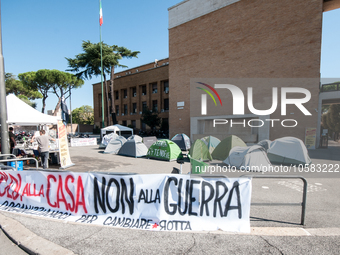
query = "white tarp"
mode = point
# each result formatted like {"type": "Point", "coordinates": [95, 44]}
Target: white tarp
{"type": "Point", "coordinates": [149, 202]}
{"type": "Point", "coordinates": [288, 150]}
{"type": "Point", "coordinates": [248, 158]}
{"type": "Point", "coordinates": [106, 139]}
{"type": "Point", "coordinates": [20, 113]}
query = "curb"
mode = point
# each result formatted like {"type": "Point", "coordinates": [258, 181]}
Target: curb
{"type": "Point", "coordinates": [29, 241]}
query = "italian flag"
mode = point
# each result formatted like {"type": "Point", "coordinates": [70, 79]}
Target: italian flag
{"type": "Point", "coordinates": [100, 13]}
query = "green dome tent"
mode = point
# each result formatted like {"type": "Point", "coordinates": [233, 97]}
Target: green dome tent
{"type": "Point", "coordinates": [200, 151]}
{"type": "Point", "coordinates": [222, 150]}
{"type": "Point", "coordinates": [198, 167]}
{"type": "Point", "coordinates": [211, 142]}
{"type": "Point", "coordinates": [164, 149]}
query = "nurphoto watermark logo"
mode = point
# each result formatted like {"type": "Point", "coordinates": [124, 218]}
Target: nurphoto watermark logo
{"type": "Point", "coordinates": [258, 98]}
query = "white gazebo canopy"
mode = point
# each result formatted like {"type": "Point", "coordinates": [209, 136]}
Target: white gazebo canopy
{"type": "Point", "coordinates": [20, 113]}
{"type": "Point", "coordinates": [117, 129]}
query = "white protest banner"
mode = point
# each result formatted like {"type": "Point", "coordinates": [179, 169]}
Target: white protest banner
{"type": "Point", "coordinates": [83, 141]}
{"type": "Point", "coordinates": [164, 202]}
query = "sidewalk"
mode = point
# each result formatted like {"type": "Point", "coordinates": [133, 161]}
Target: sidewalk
{"type": "Point", "coordinates": [275, 230]}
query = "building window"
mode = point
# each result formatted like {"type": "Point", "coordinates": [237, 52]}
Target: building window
{"type": "Point", "coordinates": [134, 108]}
{"type": "Point", "coordinates": [166, 87]}
{"type": "Point", "coordinates": [133, 123]}
{"type": "Point", "coordinates": [117, 95]}
{"type": "Point", "coordinates": [166, 104]}
{"type": "Point", "coordinates": [125, 93]}
{"type": "Point", "coordinates": [124, 123]}
{"type": "Point", "coordinates": [117, 110]}
{"type": "Point", "coordinates": [154, 106]}
{"type": "Point", "coordinates": [143, 90]}
{"type": "Point", "coordinates": [125, 109]}
{"type": "Point", "coordinates": [134, 92]}
{"type": "Point", "coordinates": [100, 104]}
{"type": "Point", "coordinates": [154, 88]}
{"type": "Point", "coordinates": [144, 106]}
{"type": "Point", "coordinates": [143, 125]}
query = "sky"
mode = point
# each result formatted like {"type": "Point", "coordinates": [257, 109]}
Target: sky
{"type": "Point", "coordinates": [39, 34]}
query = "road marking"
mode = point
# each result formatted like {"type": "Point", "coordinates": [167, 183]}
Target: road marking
{"type": "Point", "coordinates": [298, 186]}
{"type": "Point", "coordinates": [308, 234]}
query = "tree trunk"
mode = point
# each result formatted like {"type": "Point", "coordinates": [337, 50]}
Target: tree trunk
{"type": "Point", "coordinates": [113, 109]}
{"type": "Point", "coordinates": [43, 104]}
{"type": "Point", "coordinates": [56, 109]}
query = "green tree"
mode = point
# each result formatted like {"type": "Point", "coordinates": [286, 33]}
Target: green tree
{"type": "Point", "coordinates": [150, 118]}
{"type": "Point", "coordinates": [83, 115]}
{"type": "Point", "coordinates": [16, 87]}
{"type": "Point", "coordinates": [331, 120]}
{"type": "Point", "coordinates": [50, 81]}
{"type": "Point", "coordinates": [88, 64]}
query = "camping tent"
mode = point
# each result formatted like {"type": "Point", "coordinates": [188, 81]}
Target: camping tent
{"type": "Point", "coordinates": [248, 158]}
{"type": "Point", "coordinates": [182, 140]}
{"type": "Point", "coordinates": [265, 144]}
{"type": "Point", "coordinates": [198, 167]}
{"type": "Point", "coordinates": [133, 148]}
{"type": "Point", "coordinates": [288, 151]}
{"type": "Point", "coordinates": [117, 129]}
{"type": "Point", "coordinates": [222, 150]}
{"type": "Point", "coordinates": [149, 140]}
{"type": "Point", "coordinates": [164, 149]}
{"type": "Point", "coordinates": [114, 145]}
{"type": "Point", "coordinates": [106, 140]}
{"type": "Point", "coordinates": [20, 113]}
{"type": "Point", "coordinates": [136, 137]}
{"type": "Point", "coordinates": [211, 142]}
{"type": "Point", "coordinates": [200, 151]}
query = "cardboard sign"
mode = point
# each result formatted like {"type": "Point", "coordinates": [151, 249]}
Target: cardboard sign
{"type": "Point", "coordinates": [64, 154]}
{"type": "Point", "coordinates": [310, 138]}
{"type": "Point", "coordinates": [161, 202]}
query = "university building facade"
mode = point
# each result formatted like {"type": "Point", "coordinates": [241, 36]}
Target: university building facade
{"type": "Point", "coordinates": [135, 89]}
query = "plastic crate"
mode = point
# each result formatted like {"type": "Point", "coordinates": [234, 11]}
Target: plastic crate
{"type": "Point", "coordinates": [19, 164]}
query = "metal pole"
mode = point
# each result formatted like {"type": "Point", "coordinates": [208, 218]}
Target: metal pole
{"type": "Point", "coordinates": [101, 67]}
{"type": "Point", "coordinates": [3, 105]}
{"type": "Point", "coordinates": [71, 112]}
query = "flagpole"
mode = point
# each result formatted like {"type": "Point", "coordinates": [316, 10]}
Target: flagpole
{"type": "Point", "coordinates": [101, 59]}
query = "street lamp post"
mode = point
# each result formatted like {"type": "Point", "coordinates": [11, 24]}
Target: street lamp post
{"type": "Point", "coordinates": [3, 106]}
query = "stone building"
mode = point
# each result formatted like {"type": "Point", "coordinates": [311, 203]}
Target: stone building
{"type": "Point", "coordinates": [267, 43]}
{"type": "Point", "coordinates": [134, 89]}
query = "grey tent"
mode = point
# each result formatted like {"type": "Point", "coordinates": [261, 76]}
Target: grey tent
{"type": "Point", "coordinates": [133, 148]}
{"type": "Point", "coordinates": [114, 145]}
{"type": "Point", "coordinates": [183, 141]}
{"type": "Point", "coordinates": [136, 137]}
{"type": "Point", "coordinates": [248, 158]}
{"type": "Point", "coordinates": [149, 140]}
{"type": "Point", "coordinates": [265, 144]}
{"type": "Point", "coordinates": [288, 151]}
